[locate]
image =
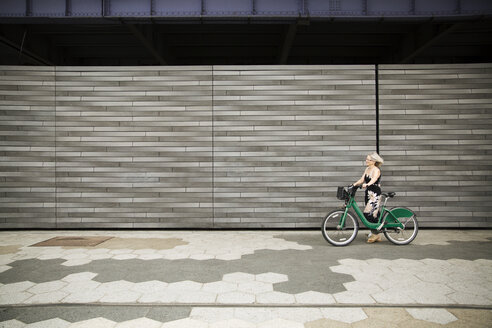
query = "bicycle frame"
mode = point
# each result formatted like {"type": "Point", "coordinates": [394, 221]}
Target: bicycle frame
{"type": "Point", "coordinates": [351, 203]}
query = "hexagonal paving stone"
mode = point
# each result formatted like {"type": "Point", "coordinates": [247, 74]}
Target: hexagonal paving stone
{"type": "Point", "coordinates": [235, 298]}
{"type": "Point", "coordinates": [212, 315]}
{"type": "Point", "coordinates": [52, 297]}
{"type": "Point", "coordinates": [124, 296]}
{"type": "Point", "coordinates": [16, 287]}
{"type": "Point", "coordinates": [90, 296]}
{"type": "Point", "coordinates": [468, 298]}
{"type": "Point", "coordinates": [80, 286]}
{"type": "Point", "coordinates": [280, 323]}
{"type": "Point", "coordinates": [353, 262]}
{"type": "Point", "coordinates": [326, 323]}
{"type": "Point", "coordinates": [347, 315]}
{"type": "Point", "coordinates": [374, 323]}
{"type": "Point", "coordinates": [255, 287]}
{"type": "Point", "coordinates": [149, 257]}
{"type": "Point", "coordinates": [121, 251]}
{"type": "Point", "coordinates": [353, 297]}
{"type": "Point", "coordinates": [47, 287]}
{"type": "Point", "coordinates": [185, 323]}
{"type": "Point", "coordinates": [220, 287]}
{"type": "Point", "coordinates": [301, 315]}
{"type": "Point", "coordinates": [473, 287]}
{"type": "Point", "coordinates": [94, 323]}
{"type": "Point", "coordinates": [144, 251]}
{"type": "Point", "coordinates": [115, 286]}
{"type": "Point", "coordinates": [367, 287]}
{"type": "Point", "coordinates": [167, 296]}
{"type": "Point", "coordinates": [228, 257]}
{"type": "Point", "coordinates": [171, 255]}
{"type": "Point", "coordinates": [139, 323]}
{"type": "Point", "coordinates": [230, 323]}
{"type": "Point", "coordinates": [121, 257]}
{"type": "Point", "coordinates": [440, 316]}
{"type": "Point", "coordinates": [50, 256]}
{"type": "Point", "coordinates": [14, 298]}
{"type": "Point", "coordinates": [275, 298]}
{"type": "Point", "coordinates": [82, 276]}
{"type": "Point", "coordinates": [75, 256]}
{"type": "Point", "coordinates": [149, 286]}
{"type": "Point", "coordinates": [185, 285]}
{"type": "Point", "coordinates": [313, 297]}
{"type": "Point", "coordinates": [255, 315]}
{"type": "Point", "coordinates": [392, 281]}
{"type": "Point", "coordinates": [12, 324]}
{"type": "Point", "coordinates": [390, 315]}
{"type": "Point", "coordinates": [157, 297]}
{"type": "Point", "coordinates": [98, 251]}
{"type": "Point", "coordinates": [275, 247]}
{"type": "Point", "coordinates": [51, 323]}
{"type": "Point", "coordinates": [345, 269]}
{"type": "Point", "coordinates": [271, 277]}
{"type": "Point", "coordinates": [472, 317]}
{"type": "Point", "coordinates": [196, 297]}
{"type": "Point", "coordinates": [393, 296]}
{"type": "Point", "coordinates": [430, 293]}
{"type": "Point", "coordinates": [102, 256]}
{"type": "Point", "coordinates": [238, 277]}
{"type": "Point", "coordinates": [76, 262]}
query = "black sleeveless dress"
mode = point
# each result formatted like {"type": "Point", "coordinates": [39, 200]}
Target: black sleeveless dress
{"type": "Point", "coordinates": [372, 199]}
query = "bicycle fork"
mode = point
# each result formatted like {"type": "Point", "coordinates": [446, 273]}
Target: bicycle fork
{"type": "Point", "coordinates": [341, 224]}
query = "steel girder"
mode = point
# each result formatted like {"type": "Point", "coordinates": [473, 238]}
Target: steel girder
{"type": "Point", "coordinates": [242, 8]}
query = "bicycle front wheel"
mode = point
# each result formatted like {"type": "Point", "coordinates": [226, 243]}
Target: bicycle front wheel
{"type": "Point", "coordinates": [336, 235]}
{"type": "Point", "coordinates": [406, 235]}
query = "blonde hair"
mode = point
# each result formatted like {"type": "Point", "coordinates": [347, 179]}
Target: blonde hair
{"type": "Point", "coordinates": [378, 159]}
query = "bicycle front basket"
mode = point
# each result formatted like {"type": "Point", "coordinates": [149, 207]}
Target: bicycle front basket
{"type": "Point", "coordinates": [342, 193]}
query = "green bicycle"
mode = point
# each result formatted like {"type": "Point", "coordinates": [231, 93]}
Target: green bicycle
{"type": "Point", "coordinates": [339, 228]}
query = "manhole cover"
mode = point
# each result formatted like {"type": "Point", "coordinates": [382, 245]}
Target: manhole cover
{"type": "Point", "coordinates": [72, 241]}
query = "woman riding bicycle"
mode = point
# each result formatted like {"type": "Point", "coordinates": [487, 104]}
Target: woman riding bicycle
{"type": "Point", "coordinates": [371, 180]}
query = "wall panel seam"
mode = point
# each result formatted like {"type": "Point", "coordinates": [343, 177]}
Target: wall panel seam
{"type": "Point", "coordinates": [213, 145]}
{"type": "Point", "coordinates": [56, 162]}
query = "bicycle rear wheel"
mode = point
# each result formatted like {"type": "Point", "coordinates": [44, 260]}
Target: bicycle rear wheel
{"type": "Point", "coordinates": [406, 235]}
{"type": "Point", "coordinates": [336, 235]}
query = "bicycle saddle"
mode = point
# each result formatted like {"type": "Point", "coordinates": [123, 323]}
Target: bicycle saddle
{"type": "Point", "coordinates": [390, 194]}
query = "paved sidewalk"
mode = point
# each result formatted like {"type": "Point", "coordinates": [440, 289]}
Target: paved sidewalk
{"type": "Point", "coordinates": [240, 279]}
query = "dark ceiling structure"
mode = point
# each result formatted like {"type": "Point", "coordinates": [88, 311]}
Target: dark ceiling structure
{"type": "Point", "coordinates": [244, 32]}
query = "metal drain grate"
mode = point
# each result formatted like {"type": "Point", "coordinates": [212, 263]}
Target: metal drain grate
{"type": "Point", "coordinates": [72, 241]}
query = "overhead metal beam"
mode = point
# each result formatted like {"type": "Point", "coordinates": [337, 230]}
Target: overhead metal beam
{"type": "Point", "coordinates": [146, 43]}
{"type": "Point", "coordinates": [68, 8]}
{"type": "Point", "coordinates": [28, 8]}
{"type": "Point", "coordinates": [246, 9]}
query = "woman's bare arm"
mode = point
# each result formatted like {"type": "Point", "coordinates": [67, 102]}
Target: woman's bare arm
{"type": "Point", "coordinates": [361, 180]}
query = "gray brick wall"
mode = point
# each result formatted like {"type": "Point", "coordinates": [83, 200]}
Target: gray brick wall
{"type": "Point", "coordinates": [134, 147]}
{"type": "Point", "coordinates": [285, 137]}
{"type": "Point", "coordinates": [27, 147]}
{"type": "Point", "coordinates": [238, 146]}
{"type": "Point", "coordinates": [435, 125]}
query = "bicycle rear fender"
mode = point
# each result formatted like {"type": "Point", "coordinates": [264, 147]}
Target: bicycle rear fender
{"type": "Point", "coordinates": [401, 212]}
{"type": "Point", "coordinates": [391, 220]}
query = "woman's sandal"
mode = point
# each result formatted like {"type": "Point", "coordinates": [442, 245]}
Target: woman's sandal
{"type": "Point", "coordinates": [374, 238]}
